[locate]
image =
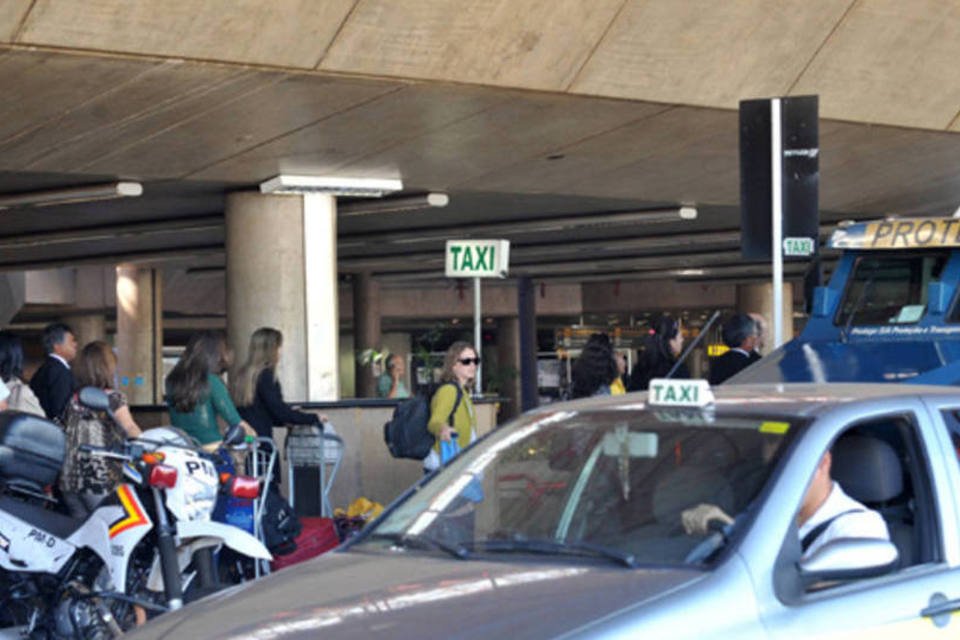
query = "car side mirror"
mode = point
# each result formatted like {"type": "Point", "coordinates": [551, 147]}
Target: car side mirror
{"type": "Point", "coordinates": [234, 435]}
{"type": "Point", "coordinates": [849, 559]}
{"type": "Point", "coordinates": [94, 398]}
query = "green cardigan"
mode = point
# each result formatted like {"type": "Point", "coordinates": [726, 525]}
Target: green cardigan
{"type": "Point", "coordinates": [464, 420]}
{"type": "Point", "coordinates": [201, 423]}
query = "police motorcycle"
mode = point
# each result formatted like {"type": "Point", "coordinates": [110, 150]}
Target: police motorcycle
{"type": "Point", "coordinates": [92, 578]}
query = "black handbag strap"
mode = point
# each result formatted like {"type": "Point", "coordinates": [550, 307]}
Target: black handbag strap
{"type": "Point", "coordinates": [456, 405]}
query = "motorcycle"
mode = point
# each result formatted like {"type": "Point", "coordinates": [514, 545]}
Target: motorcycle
{"type": "Point", "coordinates": [94, 577]}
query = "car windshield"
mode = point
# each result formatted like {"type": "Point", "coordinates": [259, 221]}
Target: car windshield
{"type": "Point", "coordinates": [613, 485]}
{"type": "Point", "coordinates": [889, 289]}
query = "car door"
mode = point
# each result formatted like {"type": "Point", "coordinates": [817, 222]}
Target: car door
{"type": "Point", "coordinates": [908, 601]}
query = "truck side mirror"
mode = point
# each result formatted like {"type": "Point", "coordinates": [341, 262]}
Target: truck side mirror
{"type": "Point", "coordinates": [824, 302]}
{"type": "Point", "coordinates": [937, 298]}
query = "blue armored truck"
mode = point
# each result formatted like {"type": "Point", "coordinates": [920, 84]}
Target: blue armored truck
{"type": "Point", "coordinates": [889, 314]}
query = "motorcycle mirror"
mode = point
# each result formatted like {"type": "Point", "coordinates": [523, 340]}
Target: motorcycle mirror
{"type": "Point", "coordinates": [234, 435]}
{"type": "Point", "coordinates": [93, 398]}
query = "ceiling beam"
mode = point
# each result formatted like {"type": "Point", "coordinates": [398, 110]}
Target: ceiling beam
{"type": "Point", "coordinates": [112, 232]}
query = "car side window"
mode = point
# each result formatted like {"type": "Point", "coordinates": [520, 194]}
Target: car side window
{"type": "Point", "coordinates": [951, 417]}
{"type": "Point", "coordinates": [881, 467]}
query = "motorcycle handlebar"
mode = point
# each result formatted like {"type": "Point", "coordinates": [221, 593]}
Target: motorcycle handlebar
{"type": "Point", "coordinates": [104, 452]}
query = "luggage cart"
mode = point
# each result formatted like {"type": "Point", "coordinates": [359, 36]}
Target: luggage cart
{"type": "Point", "coordinates": [309, 446]}
{"type": "Point", "coordinates": [261, 462]}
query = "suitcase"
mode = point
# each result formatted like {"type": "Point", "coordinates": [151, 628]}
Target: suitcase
{"type": "Point", "coordinates": [318, 536]}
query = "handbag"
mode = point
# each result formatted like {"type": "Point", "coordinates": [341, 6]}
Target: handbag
{"type": "Point", "coordinates": [87, 473]}
{"type": "Point", "coordinates": [450, 450]}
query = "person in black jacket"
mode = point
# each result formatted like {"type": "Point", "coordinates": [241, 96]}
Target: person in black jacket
{"type": "Point", "coordinates": [659, 353]}
{"type": "Point", "coordinates": [53, 381]}
{"type": "Point", "coordinates": [256, 390]}
{"type": "Point", "coordinates": [741, 334]}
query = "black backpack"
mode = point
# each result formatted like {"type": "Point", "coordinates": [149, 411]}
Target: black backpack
{"type": "Point", "coordinates": [280, 524]}
{"type": "Point", "coordinates": [406, 432]}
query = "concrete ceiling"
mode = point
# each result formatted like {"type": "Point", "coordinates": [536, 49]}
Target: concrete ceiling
{"type": "Point", "coordinates": [520, 109]}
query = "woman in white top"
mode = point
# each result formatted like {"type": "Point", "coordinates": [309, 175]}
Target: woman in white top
{"type": "Point", "coordinates": [21, 397]}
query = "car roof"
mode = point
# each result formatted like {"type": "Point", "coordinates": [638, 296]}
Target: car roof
{"type": "Point", "coordinates": [799, 399]}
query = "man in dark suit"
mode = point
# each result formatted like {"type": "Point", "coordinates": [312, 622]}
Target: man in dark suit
{"type": "Point", "coordinates": [53, 381]}
{"type": "Point", "coordinates": [740, 333]}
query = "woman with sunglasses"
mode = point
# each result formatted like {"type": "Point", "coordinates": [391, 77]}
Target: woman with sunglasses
{"type": "Point", "coordinates": [447, 416]}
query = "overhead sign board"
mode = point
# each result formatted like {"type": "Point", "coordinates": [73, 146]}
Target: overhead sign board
{"type": "Point", "coordinates": [907, 233]}
{"type": "Point", "coordinates": [477, 258]}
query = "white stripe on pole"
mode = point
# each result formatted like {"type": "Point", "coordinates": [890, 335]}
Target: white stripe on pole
{"type": "Point", "coordinates": [776, 152]}
{"type": "Point", "coordinates": [477, 320]}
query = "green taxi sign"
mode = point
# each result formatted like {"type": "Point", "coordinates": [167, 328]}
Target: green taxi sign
{"type": "Point", "coordinates": [665, 392]}
{"type": "Point", "coordinates": [477, 258]}
{"type": "Point", "coordinates": [798, 247]}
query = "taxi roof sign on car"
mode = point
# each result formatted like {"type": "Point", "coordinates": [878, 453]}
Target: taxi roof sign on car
{"type": "Point", "coordinates": [667, 392]}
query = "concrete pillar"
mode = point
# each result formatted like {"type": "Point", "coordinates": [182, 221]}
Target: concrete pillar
{"type": "Point", "coordinates": [508, 362]}
{"type": "Point", "coordinates": [758, 298]}
{"type": "Point", "coordinates": [282, 273]}
{"type": "Point", "coordinates": [139, 341]}
{"type": "Point", "coordinates": [366, 330]}
{"type": "Point", "coordinates": [87, 327]}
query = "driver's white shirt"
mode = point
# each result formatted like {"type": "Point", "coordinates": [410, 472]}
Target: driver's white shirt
{"type": "Point", "coordinates": [864, 523]}
{"type": "Point", "coordinates": [4, 392]}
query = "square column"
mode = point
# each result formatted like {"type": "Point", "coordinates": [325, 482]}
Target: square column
{"type": "Point", "coordinates": [139, 340]}
{"type": "Point", "coordinates": [282, 273]}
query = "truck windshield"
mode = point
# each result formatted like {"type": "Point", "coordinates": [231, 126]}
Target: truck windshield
{"type": "Point", "coordinates": [889, 289]}
{"type": "Point", "coordinates": [610, 486]}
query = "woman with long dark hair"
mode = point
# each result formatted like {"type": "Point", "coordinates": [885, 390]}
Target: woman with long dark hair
{"type": "Point", "coordinates": [256, 390]}
{"type": "Point", "coordinates": [659, 353]}
{"type": "Point", "coordinates": [21, 397]}
{"type": "Point", "coordinates": [196, 395]}
{"type": "Point", "coordinates": [595, 369]}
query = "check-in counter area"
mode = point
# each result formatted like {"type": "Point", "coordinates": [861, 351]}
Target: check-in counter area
{"type": "Point", "coordinates": [367, 468]}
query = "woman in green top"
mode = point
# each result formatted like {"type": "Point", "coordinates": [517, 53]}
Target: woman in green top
{"type": "Point", "coordinates": [195, 393]}
{"type": "Point", "coordinates": [460, 369]}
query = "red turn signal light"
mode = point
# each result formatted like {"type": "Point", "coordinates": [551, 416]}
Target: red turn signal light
{"type": "Point", "coordinates": [245, 487]}
{"type": "Point", "coordinates": [163, 476]}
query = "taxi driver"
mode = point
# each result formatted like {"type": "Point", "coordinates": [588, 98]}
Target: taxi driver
{"type": "Point", "coordinates": [826, 513]}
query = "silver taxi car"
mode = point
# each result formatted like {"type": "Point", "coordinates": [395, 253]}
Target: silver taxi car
{"type": "Point", "coordinates": [569, 523]}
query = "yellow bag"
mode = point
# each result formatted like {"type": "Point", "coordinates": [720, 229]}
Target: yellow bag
{"type": "Point", "coordinates": [363, 508]}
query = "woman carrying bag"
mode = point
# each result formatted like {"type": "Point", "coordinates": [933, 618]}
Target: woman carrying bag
{"type": "Point", "coordinates": [451, 410]}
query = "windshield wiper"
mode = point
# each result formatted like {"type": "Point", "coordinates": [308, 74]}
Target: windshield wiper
{"type": "Point", "coordinates": [857, 307]}
{"type": "Point", "coordinates": [553, 547]}
{"type": "Point", "coordinates": [421, 541]}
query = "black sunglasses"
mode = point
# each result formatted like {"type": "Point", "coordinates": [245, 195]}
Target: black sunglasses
{"type": "Point", "coordinates": [468, 361]}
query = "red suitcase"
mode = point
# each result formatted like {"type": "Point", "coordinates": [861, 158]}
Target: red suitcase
{"type": "Point", "coordinates": [317, 536]}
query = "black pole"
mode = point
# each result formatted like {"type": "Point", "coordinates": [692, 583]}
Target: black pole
{"type": "Point", "coordinates": [527, 316]}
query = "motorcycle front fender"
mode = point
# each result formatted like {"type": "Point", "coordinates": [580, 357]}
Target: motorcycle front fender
{"type": "Point", "coordinates": [235, 538]}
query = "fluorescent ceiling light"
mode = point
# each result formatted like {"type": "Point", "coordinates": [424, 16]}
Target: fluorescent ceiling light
{"type": "Point", "coordinates": [71, 195]}
{"type": "Point", "coordinates": [408, 203]}
{"type": "Point", "coordinates": [331, 185]}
